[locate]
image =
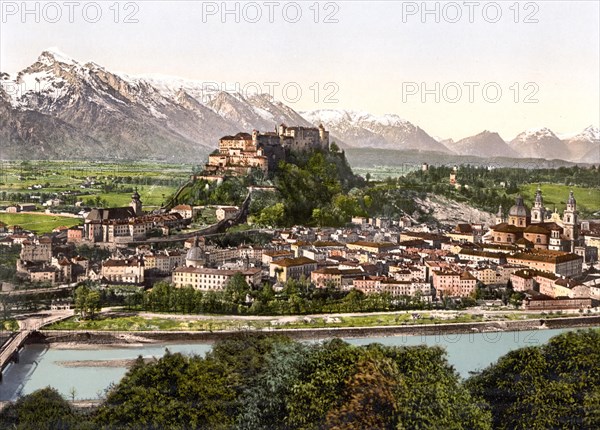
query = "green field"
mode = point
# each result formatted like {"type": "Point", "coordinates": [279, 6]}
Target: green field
{"type": "Point", "coordinates": [90, 181]}
{"type": "Point", "coordinates": [380, 173]}
{"type": "Point", "coordinates": [38, 223]}
{"type": "Point", "coordinates": [588, 199]}
{"type": "Point", "coordinates": [138, 323]}
{"type": "Point", "coordinates": [150, 195]}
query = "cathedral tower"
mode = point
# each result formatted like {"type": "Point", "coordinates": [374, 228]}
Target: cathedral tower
{"type": "Point", "coordinates": [570, 218]}
{"type": "Point", "coordinates": [499, 216]}
{"type": "Point", "coordinates": [538, 212]}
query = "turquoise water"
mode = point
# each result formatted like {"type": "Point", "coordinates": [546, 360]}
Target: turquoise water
{"type": "Point", "coordinates": [39, 366]}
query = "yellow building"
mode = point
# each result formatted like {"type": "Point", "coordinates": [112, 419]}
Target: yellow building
{"type": "Point", "coordinates": [205, 279]}
{"type": "Point", "coordinates": [288, 268]}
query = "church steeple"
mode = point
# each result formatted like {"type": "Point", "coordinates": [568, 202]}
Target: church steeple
{"type": "Point", "coordinates": [571, 202]}
{"type": "Point", "coordinates": [538, 212]}
{"type": "Point", "coordinates": [570, 218]}
{"type": "Point", "coordinates": [136, 203]}
{"type": "Point", "coordinates": [499, 215]}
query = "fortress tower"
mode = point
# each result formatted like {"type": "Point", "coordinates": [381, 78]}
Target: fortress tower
{"type": "Point", "coordinates": [323, 137]}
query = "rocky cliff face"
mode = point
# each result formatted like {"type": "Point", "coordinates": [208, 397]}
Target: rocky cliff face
{"type": "Point", "coordinates": [450, 212]}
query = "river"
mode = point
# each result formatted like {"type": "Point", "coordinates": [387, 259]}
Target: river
{"type": "Point", "coordinates": [40, 366]}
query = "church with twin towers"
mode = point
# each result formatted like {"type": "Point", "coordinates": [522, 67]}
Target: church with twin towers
{"type": "Point", "coordinates": [538, 228]}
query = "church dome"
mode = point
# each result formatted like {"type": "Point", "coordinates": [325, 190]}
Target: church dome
{"type": "Point", "coordinates": [195, 254]}
{"type": "Point", "coordinates": [519, 209]}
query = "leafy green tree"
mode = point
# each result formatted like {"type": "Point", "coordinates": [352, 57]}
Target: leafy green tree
{"type": "Point", "coordinates": [272, 215]}
{"type": "Point", "coordinates": [87, 302]}
{"type": "Point", "coordinates": [369, 397]}
{"type": "Point", "coordinates": [43, 409]}
{"type": "Point", "coordinates": [237, 289]}
{"type": "Point", "coordinates": [265, 398]}
{"type": "Point", "coordinates": [549, 386]}
{"type": "Point", "coordinates": [175, 392]}
{"type": "Point", "coordinates": [432, 396]}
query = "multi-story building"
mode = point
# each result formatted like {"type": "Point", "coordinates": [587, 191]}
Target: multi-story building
{"type": "Point", "coordinates": [495, 274]}
{"type": "Point", "coordinates": [164, 262]}
{"type": "Point", "coordinates": [557, 262]}
{"type": "Point", "coordinates": [453, 284]}
{"type": "Point", "coordinates": [466, 233]}
{"type": "Point", "coordinates": [549, 284]}
{"type": "Point", "coordinates": [479, 255]}
{"type": "Point", "coordinates": [38, 250]}
{"type": "Point", "coordinates": [380, 284]}
{"type": "Point", "coordinates": [206, 279]}
{"type": "Point", "coordinates": [127, 224]}
{"type": "Point", "coordinates": [372, 247]}
{"type": "Point", "coordinates": [433, 240]}
{"type": "Point", "coordinates": [288, 268]}
{"type": "Point", "coordinates": [44, 273]}
{"type": "Point", "coordinates": [269, 256]}
{"type": "Point", "coordinates": [335, 277]}
{"type": "Point", "coordinates": [186, 211]}
{"type": "Point", "coordinates": [226, 212]}
{"type": "Point", "coordinates": [522, 280]}
{"type": "Point", "coordinates": [75, 234]}
{"type": "Point", "coordinates": [125, 271]}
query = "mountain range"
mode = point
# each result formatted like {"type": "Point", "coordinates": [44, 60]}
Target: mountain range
{"type": "Point", "coordinates": [59, 108]}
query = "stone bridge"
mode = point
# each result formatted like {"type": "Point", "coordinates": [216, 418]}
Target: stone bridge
{"type": "Point", "coordinates": [9, 352]}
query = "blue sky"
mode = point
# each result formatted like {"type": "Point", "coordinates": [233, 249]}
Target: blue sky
{"type": "Point", "coordinates": [379, 55]}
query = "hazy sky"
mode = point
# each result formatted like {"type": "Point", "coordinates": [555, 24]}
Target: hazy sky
{"type": "Point", "coordinates": [378, 56]}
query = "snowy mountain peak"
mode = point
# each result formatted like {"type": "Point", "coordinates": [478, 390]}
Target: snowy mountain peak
{"type": "Point", "coordinates": [55, 55]}
{"type": "Point", "coordinates": [377, 131]}
{"type": "Point", "coordinates": [536, 134]}
{"type": "Point", "coordinates": [67, 107]}
{"type": "Point", "coordinates": [589, 134]}
{"type": "Point", "coordinates": [354, 117]}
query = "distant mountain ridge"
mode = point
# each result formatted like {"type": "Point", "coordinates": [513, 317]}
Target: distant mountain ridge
{"type": "Point", "coordinates": [60, 108]}
{"type": "Point", "coordinates": [484, 144]}
{"type": "Point", "coordinates": [543, 143]}
{"type": "Point", "coordinates": [367, 130]}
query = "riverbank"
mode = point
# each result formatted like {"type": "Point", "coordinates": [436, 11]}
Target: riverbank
{"type": "Point", "coordinates": [101, 338]}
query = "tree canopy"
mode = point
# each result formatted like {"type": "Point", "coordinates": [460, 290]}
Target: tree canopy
{"type": "Point", "coordinates": [260, 381]}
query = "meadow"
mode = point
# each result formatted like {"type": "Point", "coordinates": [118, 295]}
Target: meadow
{"type": "Point", "coordinates": [110, 184]}
{"type": "Point", "coordinates": [38, 223]}
{"type": "Point", "coordinates": [556, 195]}
{"type": "Point", "coordinates": [205, 323]}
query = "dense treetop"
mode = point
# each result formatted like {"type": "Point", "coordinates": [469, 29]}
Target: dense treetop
{"type": "Point", "coordinates": [271, 382]}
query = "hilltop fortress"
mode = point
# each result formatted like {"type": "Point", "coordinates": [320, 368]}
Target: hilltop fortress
{"type": "Point", "coordinates": [239, 154]}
